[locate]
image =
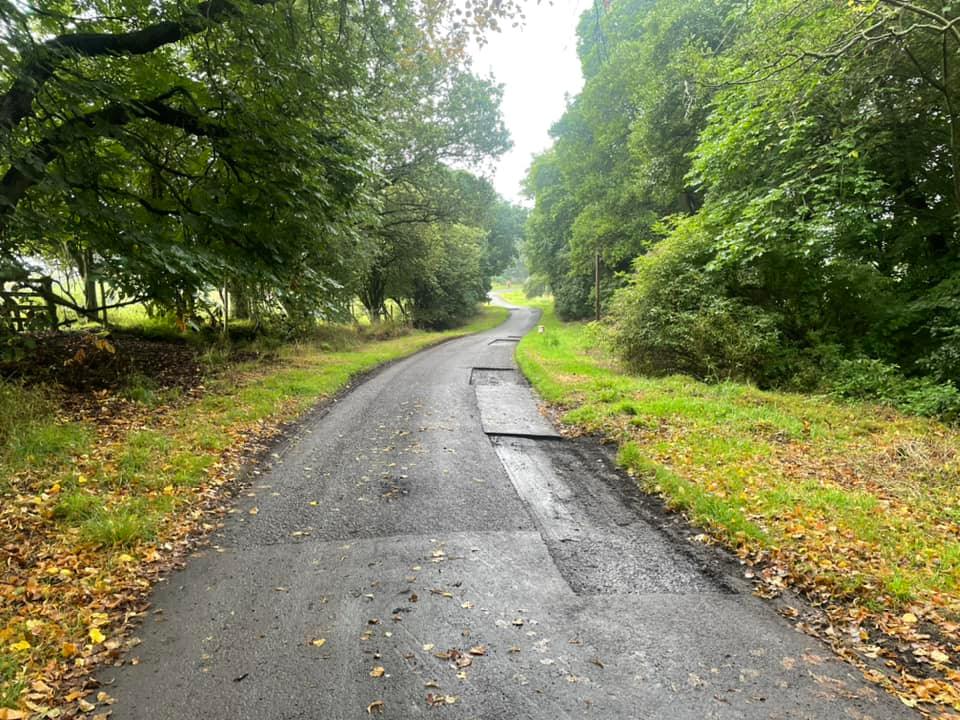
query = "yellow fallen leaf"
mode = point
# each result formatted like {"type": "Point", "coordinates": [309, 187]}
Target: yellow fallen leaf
{"type": "Point", "coordinates": [55, 489]}
{"type": "Point", "coordinates": [319, 642]}
{"type": "Point", "coordinates": [939, 657]}
{"type": "Point", "coordinates": [168, 490]}
{"type": "Point", "coordinates": [11, 714]}
{"type": "Point", "coordinates": [254, 510]}
{"type": "Point", "coordinates": [86, 706]}
{"type": "Point", "coordinates": [69, 649]}
{"type": "Point", "coordinates": [82, 479]}
{"type": "Point", "coordinates": [909, 618]}
{"type": "Point", "coordinates": [20, 646]}
{"type": "Point", "coordinates": [313, 503]}
{"type": "Point", "coordinates": [96, 636]}
{"type": "Point", "coordinates": [124, 558]}
{"type": "Point", "coordinates": [378, 671]}
{"type": "Point", "coordinates": [375, 707]}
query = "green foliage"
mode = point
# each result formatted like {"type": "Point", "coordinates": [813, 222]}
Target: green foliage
{"type": "Point", "coordinates": [574, 295]}
{"type": "Point", "coordinates": [868, 379]}
{"type": "Point", "coordinates": [674, 317]}
{"type": "Point", "coordinates": [448, 292]}
{"type": "Point", "coordinates": [282, 150]}
{"type": "Point", "coordinates": [536, 285]}
{"type": "Point", "coordinates": [790, 184]}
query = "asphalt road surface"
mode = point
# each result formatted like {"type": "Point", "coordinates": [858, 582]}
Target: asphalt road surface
{"type": "Point", "coordinates": [433, 512]}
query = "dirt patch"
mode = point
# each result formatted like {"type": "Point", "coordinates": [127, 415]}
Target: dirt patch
{"type": "Point", "coordinates": [84, 362]}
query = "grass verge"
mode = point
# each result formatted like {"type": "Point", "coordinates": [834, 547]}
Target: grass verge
{"type": "Point", "coordinates": [92, 510]}
{"type": "Point", "coordinates": [854, 505]}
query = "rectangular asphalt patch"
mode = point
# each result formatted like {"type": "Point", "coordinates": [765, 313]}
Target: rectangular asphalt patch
{"type": "Point", "coordinates": [511, 410]}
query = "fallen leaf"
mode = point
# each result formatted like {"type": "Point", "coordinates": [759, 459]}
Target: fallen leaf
{"type": "Point", "coordinates": [319, 642]}
{"type": "Point", "coordinates": [478, 650]}
{"type": "Point", "coordinates": [375, 707]}
{"type": "Point", "coordinates": [378, 671]}
{"type": "Point", "coordinates": [96, 637]}
{"type": "Point", "coordinates": [254, 510]}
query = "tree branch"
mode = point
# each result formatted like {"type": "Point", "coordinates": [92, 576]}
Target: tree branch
{"type": "Point", "coordinates": [30, 169]}
{"type": "Point", "coordinates": [17, 102]}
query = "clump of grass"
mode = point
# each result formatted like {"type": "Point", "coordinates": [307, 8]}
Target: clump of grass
{"type": "Point", "coordinates": [30, 433]}
{"type": "Point", "coordinates": [133, 521]}
{"type": "Point", "coordinates": [143, 389]}
{"type": "Point", "coordinates": [12, 682]}
{"type": "Point", "coordinates": [76, 506]}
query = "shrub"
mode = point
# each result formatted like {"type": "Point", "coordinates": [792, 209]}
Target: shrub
{"type": "Point", "coordinates": [535, 286]}
{"type": "Point", "coordinates": [875, 380]}
{"type": "Point", "coordinates": [672, 317]}
{"type": "Point", "coordinates": [574, 297]}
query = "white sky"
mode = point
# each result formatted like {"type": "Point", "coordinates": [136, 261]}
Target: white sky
{"type": "Point", "coordinates": [538, 65]}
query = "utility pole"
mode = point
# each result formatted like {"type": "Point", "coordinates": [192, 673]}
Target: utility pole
{"type": "Point", "coordinates": [596, 284]}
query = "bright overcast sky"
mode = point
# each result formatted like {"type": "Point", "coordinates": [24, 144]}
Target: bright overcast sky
{"type": "Point", "coordinates": [538, 65]}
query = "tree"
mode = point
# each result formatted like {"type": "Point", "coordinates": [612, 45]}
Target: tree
{"type": "Point", "coordinates": [172, 149]}
{"type": "Point", "coordinates": [796, 160]}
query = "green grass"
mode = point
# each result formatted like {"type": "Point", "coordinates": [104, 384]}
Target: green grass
{"type": "Point", "coordinates": [840, 492]}
{"type": "Point", "coordinates": [12, 682]}
{"type": "Point", "coordinates": [30, 435]}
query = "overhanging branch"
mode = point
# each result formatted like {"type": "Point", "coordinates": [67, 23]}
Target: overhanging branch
{"type": "Point", "coordinates": [26, 173]}
{"type": "Point", "coordinates": [17, 102]}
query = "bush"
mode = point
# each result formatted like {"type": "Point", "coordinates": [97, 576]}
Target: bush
{"type": "Point", "coordinates": [573, 296]}
{"type": "Point", "coordinates": [878, 381]}
{"type": "Point", "coordinates": [535, 286]}
{"type": "Point", "coordinates": [672, 318]}
{"type": "Point", "coordinates": [448, 295]}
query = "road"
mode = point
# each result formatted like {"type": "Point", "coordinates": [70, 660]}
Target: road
{"type": "Point", "coordinates": [433, 511]}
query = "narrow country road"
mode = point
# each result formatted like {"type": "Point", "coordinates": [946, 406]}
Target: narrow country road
{"type": "Point", "coordinates": [433, 511]}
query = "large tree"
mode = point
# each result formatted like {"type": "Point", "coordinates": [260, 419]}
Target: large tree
{"type": "Point", "coordinates": [170, 148]}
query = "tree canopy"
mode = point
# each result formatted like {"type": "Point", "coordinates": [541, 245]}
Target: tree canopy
{"type": "Point", "coordinates": [266, 146]}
